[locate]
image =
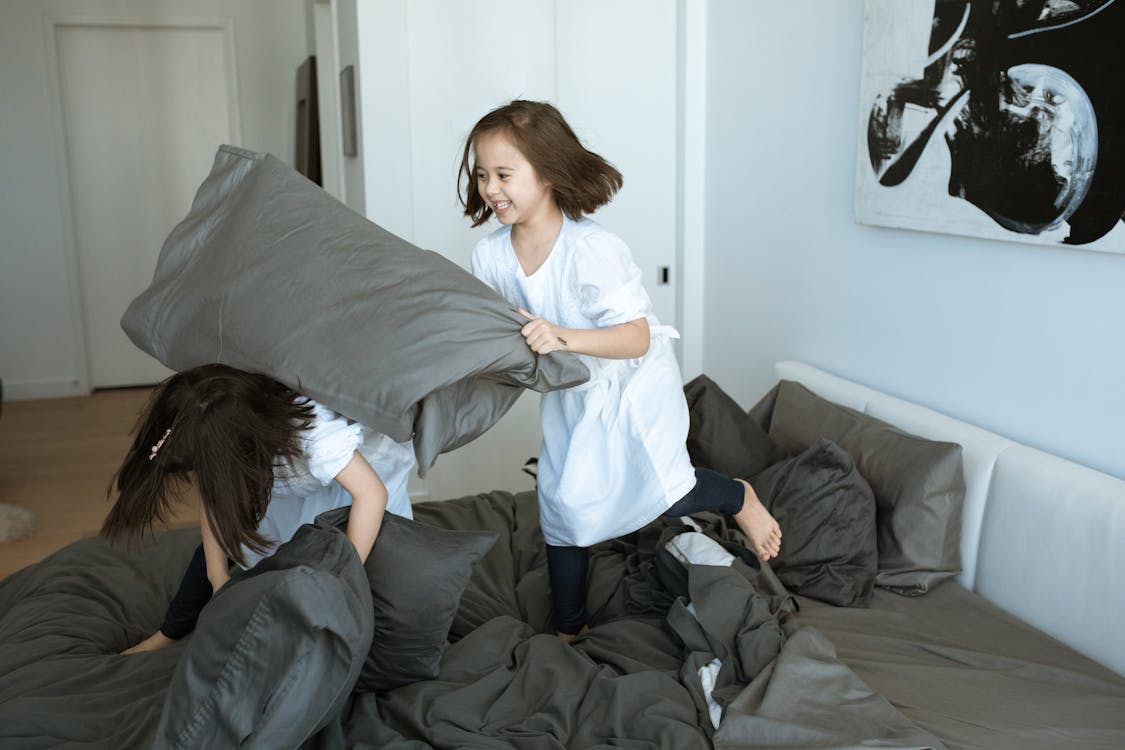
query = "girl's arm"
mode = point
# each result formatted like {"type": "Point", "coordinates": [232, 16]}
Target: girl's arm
{"type": "Point", "coordinates": [622, 341]}
{"type": "Point", "coordinates": [218, 568]}
{"type": "Point", "coordinates": [369, 502]}
{"type": "Point", "coordinates": [218, 574]}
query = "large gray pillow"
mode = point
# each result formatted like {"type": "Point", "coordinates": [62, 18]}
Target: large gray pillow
{"type": "Point", "coordinates": [417, 574]}
{"type": "Point", "coordinates": [826, 510]}
{"type": "Point", "coordinates": [721, 436]}
{"type": "Point", "coordinates": [269, 273]}
{"type": "Point", "coordinates": [276, 652]}
{"type": "Point", "coordinates": [919, 484]}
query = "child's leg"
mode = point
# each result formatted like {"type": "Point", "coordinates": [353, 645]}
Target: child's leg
{"type": "Point", "coordinates": [567, 568]}
{"type": "Point", "coordinates": [194, 592]}
{"type": "Point", "coordinates": [737, 498]}
{"type": "Point", "coordinates": [184, 609]}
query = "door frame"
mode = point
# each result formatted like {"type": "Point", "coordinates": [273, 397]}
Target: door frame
{"type": "Point", "coordinates": [325, 29]}
{"type": "Point", "coordinates": [692, 183]}
{"type": "Point", "coordinates": [58, 127]}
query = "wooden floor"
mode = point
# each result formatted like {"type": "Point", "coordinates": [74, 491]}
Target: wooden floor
{"type": "Point", "coordinates": [57, 457]}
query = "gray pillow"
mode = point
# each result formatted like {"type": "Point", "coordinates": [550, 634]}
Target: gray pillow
{"type": "Point", "coordinates": [762, 412]}
{"type": "Point", "coordinates": [919, 484]}
{"type": "Point", "coordinates": [826, 511]}
{"type": "Point", "coordinates": [721, 436]}
{"type": "Point", "coordinates": [276, 651]}
{"type": "Point", "coordinates": [417, 574]}
{"type": "Point", "coordinates": [269, 273]}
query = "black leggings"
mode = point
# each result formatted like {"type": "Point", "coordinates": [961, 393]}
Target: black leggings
{"type": "Point", "coordinates": [194, 592]}
{"type": "Point", "coordinates": [567, 567]}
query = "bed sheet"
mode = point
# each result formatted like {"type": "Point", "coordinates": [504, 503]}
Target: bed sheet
{"type": "Point", "coordinates": [974, 675]}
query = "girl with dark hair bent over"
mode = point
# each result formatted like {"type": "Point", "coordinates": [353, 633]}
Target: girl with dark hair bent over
{"type": "Point", "coordinates": [265, 460]}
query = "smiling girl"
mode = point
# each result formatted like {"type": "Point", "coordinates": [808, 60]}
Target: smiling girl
{"type": "Point", "coordinates": [613, 456]}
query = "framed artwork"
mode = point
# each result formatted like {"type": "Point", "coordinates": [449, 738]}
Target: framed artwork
{"type": "Point", "coordinates": [995, 118]}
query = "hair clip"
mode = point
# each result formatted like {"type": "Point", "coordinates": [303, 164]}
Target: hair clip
{"type": "Point", "coordinates": [156, 448]}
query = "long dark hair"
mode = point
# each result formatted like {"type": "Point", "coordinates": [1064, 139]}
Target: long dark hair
{"type": "Point", "coordinates": [581, 181]}
{"type": "Point", "coordinates": [226, 428]}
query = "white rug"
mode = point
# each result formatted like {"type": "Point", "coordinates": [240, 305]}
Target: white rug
{"type": "Point", "coordinates": [16, 523]}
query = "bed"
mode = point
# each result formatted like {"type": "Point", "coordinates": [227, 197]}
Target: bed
{"type": "Point", "coordinates": [920, 601]}
{"type": "Point", "coordinates": [993, 643]}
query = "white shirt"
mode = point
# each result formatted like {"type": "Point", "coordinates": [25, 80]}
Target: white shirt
{"type": "Point", "coordinates": [308, 487]}
{"type": "Point", "coordinates": [613, 456]}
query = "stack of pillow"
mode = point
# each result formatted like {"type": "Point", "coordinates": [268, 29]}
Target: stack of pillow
{"type": "Point", "coordinates": [860, 503]}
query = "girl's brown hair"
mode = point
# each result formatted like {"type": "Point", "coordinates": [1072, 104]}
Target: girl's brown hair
{"type": "Point", "coordinates": [229, 428]}
{"type": "Point", "coordinates": [580, 180]}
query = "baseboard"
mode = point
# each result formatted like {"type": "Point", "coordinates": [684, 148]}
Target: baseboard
{"type": "Point", "coordinates": [26, 391]}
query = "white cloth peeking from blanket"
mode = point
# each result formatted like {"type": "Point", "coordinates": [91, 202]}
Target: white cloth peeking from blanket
{"type": "Point", "coordinates": [695, 548]}
{"type": "Point", "coordinates": [614, 455]}
{"type": "Point", "coordinates": [307, 487]}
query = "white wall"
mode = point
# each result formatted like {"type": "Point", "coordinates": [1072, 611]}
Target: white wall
{"type": "Point", "coordinates": [37, 328]}
{"type": "Point", "coordinates": [1023, 340]}
{"type": "Point", "coordinates": [428, 69]}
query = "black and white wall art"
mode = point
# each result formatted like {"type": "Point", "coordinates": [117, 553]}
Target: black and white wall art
{"type": "Point", "coordinates": [995, 118]}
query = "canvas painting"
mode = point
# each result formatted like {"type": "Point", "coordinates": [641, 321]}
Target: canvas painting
{"type": "Point", "coordinates": [995, 118]}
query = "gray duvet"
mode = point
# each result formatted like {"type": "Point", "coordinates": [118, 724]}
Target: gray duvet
{"type": "Point", "coordinates": [633, 681]}
{"type": "Point", "coordinates": [900, 674]}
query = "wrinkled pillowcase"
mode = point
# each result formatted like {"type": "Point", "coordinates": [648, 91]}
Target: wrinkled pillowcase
{"type": "Point", "coordinates": [762, 412]}
{"type": "Point", "coordinates": [919, 485]}
{"type": "Point", "coordinates": [721, 436]}
{"type": "Point", "coordinates": [276, 651]}
{"type": "Point", "coordinates": [271, 274]}
{"type": "Point", "coordinates": [826, 511]}
{"type": "Point", "coordinates": [416, 575]}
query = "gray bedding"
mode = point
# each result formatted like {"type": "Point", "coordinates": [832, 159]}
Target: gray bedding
{"type": "Point", "coordinates": [633, 681]}
{"type": "Point", "coordinates": [972, 674]}
{"type": "Point", "coordinates": [504, 681]}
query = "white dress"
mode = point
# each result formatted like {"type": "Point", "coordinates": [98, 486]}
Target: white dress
{"type": "Point", "coordinates": [613, 456]}
{"type": "Point", "coordinates": [307, 487]}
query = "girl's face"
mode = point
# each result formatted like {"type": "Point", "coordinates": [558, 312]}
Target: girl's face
{"type": "Point", "coordinates": [508, 183]}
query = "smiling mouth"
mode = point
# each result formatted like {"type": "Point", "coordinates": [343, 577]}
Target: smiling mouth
{"type": "Point", "coordinates": [501, 205]}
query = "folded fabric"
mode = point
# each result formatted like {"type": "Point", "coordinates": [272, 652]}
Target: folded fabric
{"type": "Point", "coordinates": [269, 273]}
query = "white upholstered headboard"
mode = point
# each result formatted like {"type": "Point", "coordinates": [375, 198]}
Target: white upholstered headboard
{"type": "Point", "coordinates": [1042, 537]}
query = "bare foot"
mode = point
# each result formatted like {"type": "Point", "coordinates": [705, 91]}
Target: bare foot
{"type": "Point", "coordinates": [568, 638]}
{"type": "Point", "coordinates": [154, 642]}
{"type": "Point", "coordinates": [758, 525]}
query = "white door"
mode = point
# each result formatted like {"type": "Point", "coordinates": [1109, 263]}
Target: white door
{"type": "Point", "coordinates": [430, 68]}
{"type": "Point", "coordinates": [143, 95]}
{"type": "Point", "coordinates": [143, 109]}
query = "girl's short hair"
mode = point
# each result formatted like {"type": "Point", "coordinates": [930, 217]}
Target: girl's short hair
{"type": "Point", "coordinates": [580, 180]}
{"type": "Point", "coordinates": [227, 428]}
